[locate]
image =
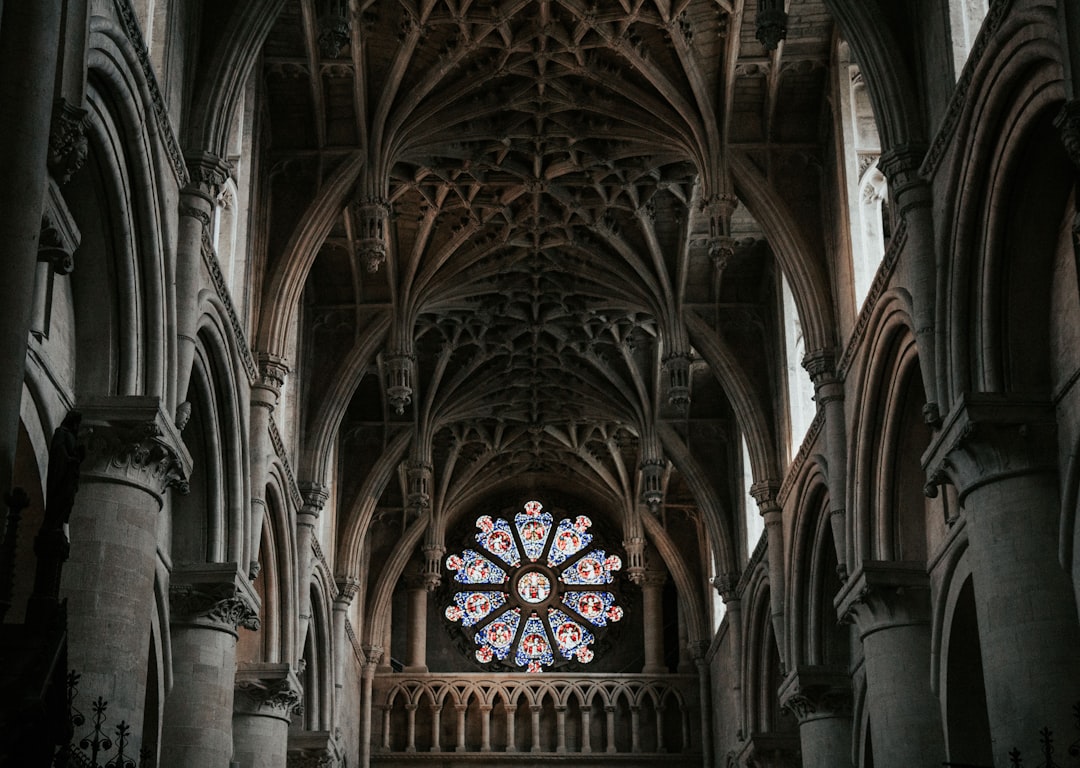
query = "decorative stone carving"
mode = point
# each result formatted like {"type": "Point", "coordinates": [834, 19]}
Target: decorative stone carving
{"type": "Point", "coordinates": [432, 574]}
{"type": "Point", "coordinates": [1068, 124]}
{"type": "Point", "coordinates": [988, 437]}
{"type": "Point", "coordinates": [399, 373]}
{"type": "Point", "coordinates": [652, 482]}
{"type": "Point", "coordinates": [273, 370]}
{"type": "Point", "coordinates": [208, 173]}
{"type": "Point", "coordinates": [68, 146]}
{"type": "Point", "coordinates": [315, 496]}
{"type": "Point", "coordinates": [348, 587]}
{"type": "Point", "coordinates": [333, 34]}
{"type": "Point", "coordinates": [271, 690]}
{"type": "Point", "coordinates": [726, 585]}
{"type": "Point", "coordinates": [60, 236]}
{"type": "Point", "coordinates": [130, 440]}
{"type": "Point", "coordinates": [418, 480]}
{"type": "Point", "coordinates": [677, 365]}
{"type": "Point", "coordinates": [813, 693]}
{"type": "Point", "coordinates": [371, 217]}
{"type": "Point", "coordinates": [771, 23]}
{"type": "Point", "coordinates": [213, 595]}
{"type": "Point", "coordinates": [883, 594]}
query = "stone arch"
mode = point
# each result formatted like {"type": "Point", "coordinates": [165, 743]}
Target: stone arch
{"type": "Point", "coordinates": [119, 296]}
{"type": "Point", "coordinates": [1010, 184]}
{"type": "Point", "coordinates": [808, 607]}
{"type": "Point", "coordinates": [958, 676]}
{"type": "Point", "coordinates": [797, 256]}
{"type": "Point", "coordinates": [893, 92]}
{"type": "Point", "coordinates": [885, 454]}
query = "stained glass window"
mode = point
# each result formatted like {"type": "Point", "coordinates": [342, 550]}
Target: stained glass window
{"type": "Point", "coordinates": [535, 589]}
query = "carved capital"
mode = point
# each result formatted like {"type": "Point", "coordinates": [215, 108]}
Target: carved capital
{"type": "Point", "coordinates": [68, 146]}
{"type": "Point", "coordinates": [988, 438]}
{"type": "Point", "coordinates": [371, 217]}
{"type": "Point", "coordinates": [821, 365]}
{"type": "Point", "coordinates": [348, 587]}
{"type": "Point", "coordinates": [900, 165]}
{"type": "Point", "coordinates": [1068, 124]}
{"type": "Point", "coordinates": [208, 174]}
{"type": "Point", "coordinates": [817, 693]}
{"type": "Point", "coordinates": [432, 574]}
{"type": "Point", "coordinates": [215, 596]}
{"type": "Point", "coordinates": [268, 690]}
{"type": "Point", "coordinates": [373, 653]}
{"type": "Point", "coordinates": [726, 585]}
{"type": "Point", "coordinates": [273, 370]}
{"type": "Point", "coordinates": [131, 441]}
{"type": "Point", "coordinates": [880, 595]}
{"type": "Point", "coordinates": [766, 494]}
{"type": "Point", "coordinates": [647, 579]}
{"type": "Point", "coordinates": [315, 496]}
{"type": "Point", "coordinates": [60, 236]}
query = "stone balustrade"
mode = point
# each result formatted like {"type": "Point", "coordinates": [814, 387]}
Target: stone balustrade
{"type": "Point", "coordinates": [647, 717]}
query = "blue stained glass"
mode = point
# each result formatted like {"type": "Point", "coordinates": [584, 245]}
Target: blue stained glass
{"type": "Point", "coordinates": [496, 538]}
{"type": "Point", "coordinates": [474, 606]}
{"type": "Point", "coordinates": [594, 568]}
{"type": "Point", "coordinates": [496, 638]}
{"type": "Point", "coordinates": [570, 636]}
{"type": "Point", "coordinates": [474, 568]}
{"type": "Point", "coordinates": [533, 526]}
{"type": "Point", "coordinates": [534, 650]}
{"type": "Point", "coordinates": [570, 538]}
{"type": "Point", "coordinates": [597, 607]}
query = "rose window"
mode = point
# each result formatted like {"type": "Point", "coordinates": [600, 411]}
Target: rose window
{"type": "Point", "coordinates": [532, 590]}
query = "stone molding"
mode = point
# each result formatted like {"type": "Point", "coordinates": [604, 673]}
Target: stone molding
{"type": "Point", "coordinates": [817, 693]}
{"type": "Point", "coordinates": [213, 595]}
{"type": "Point", "coordinates": [60, 235]}
{"type": "Point", "coordinates": [68, 146]}
{"type": "Point", "coordinates": [312, 749]}
{"type": "Point", "coordinates": [883, 594]}
{"type": "Point", "coordinates": [268, 690]}
{"type": "Point", "coordinates": [770, 750]}
{"type": "Point", "coordinates": [132, 441]}
{"type": "Point", "coordinates": [989, 437]}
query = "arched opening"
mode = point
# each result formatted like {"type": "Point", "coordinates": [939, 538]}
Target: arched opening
{"type": "Point", "coordinates": [967, 728]}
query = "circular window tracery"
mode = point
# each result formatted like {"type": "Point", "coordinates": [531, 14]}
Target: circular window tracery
{"type": "Point", "coordinates": [535, 589]}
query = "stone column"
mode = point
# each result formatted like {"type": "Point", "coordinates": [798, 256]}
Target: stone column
{"type": "Point", "coordinates": [133, 456]}
{"type": "Point", "coordinates": [829, 396]}
{"type": "Point", "coordinates": [889, 603]}
{"type": "Point", "coordinates": [1001, 454]}
{"type": "Point", "coordinates": [197, 201]}
{"type": "Point", "coordinates": [307, 518]}
{"type": "Point", "coordinates": [416, 655]}
{"type": "Point", "coordinates": [374, 655]}
{"type": "Point", "coordinates": [911, 199]}
{"type": "Point", "coordinates": [209, 604]}
{"type": "Point", "coordinates": [652, 609]}
{"type": "Point", "coordinates": [820, 698]}
{"type": "Point", "coordinates": [267, 696]}
{"type": "Point", "coordinates": [265, 394]}
{"type": "Point", "coordinates": [765, 494]}
{"type": "Point", "coordinates": [29, 43]}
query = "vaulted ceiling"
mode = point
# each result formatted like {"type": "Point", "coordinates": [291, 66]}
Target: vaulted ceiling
{"type": "Point", "coordinates": [529, 246]}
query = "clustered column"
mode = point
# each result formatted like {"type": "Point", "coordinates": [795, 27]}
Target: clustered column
{"type": "Point", "coordinates": [417, 591]}
{"type": "Point", "coordinates": [209, 603]}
